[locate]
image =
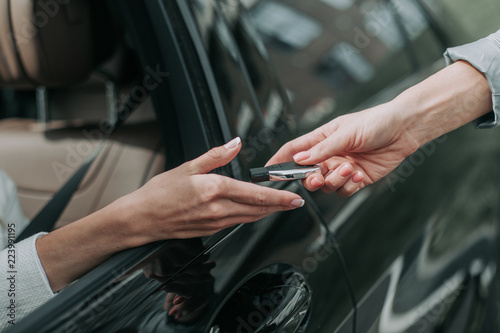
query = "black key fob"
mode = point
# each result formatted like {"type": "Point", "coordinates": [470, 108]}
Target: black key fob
{"type": "Point", "coordinates": [282, 171]}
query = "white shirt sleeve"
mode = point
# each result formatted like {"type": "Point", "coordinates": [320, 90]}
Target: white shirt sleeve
{"type": "Point", "coordinates": [484, 55]}
{"type": "Point", "coordinates": [10, 210]}
{"type": "Point", "coordinates": [23, 283]}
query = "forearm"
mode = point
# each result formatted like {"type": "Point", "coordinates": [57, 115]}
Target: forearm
{"type": "Point", "coordinates": [445, 101]}
{"type": "Point", "coordinates": [184, 202]}
{"type": "Point", "coordinates": [71, 251]}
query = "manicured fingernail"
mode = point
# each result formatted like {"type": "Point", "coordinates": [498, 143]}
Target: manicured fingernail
{"type": "Point", "coordinates": [303, 155]}
{"type": "Point", "coordinates": [178, 299]}
{"type": "Point", "coordinates": [357, 177]}
{"type": "Point", "coordinates": [297, 203]}
{"type": "Point", "coordinates": [345, 170]}
{"type": "Point", "coordinates": [172, 311]}
{"type": "Point", "coordinates": [233, 143]}
{"type": "Point", "coordinates": [316, 182]}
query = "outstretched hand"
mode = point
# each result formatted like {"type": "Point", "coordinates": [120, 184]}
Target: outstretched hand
{"type": "Point", "coordinates": [354, 150]}
{"type": "Point", "coordinates": [359, 149]}
{"type": "Point", "coordinates": [188, 202]}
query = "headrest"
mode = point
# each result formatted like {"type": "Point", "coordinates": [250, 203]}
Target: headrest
{"type": "Point", "coordinates": [44, 42]}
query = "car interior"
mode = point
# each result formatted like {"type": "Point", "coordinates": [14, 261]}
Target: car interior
{"type": "Point", "coordinates": [60, 85]}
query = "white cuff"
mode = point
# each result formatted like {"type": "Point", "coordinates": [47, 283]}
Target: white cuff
{"type": "Point", "coordinates": [484, 55]}
{"type": "Point", "coordinates": [43, 275]}
{"type": "Point", "coordinates": [23, 282]}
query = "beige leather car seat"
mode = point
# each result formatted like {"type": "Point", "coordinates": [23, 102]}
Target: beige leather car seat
{"type": "Point", "coordinates": [40, 161]}
{"type": "Point", "coordinates": [45, 42]}
{"type": "Point", "coordinates": [57, 51]}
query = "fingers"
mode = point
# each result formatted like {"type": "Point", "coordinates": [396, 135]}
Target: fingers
{"type": "Point", "coordinates": [302, 143]}
{"type": "Point", "coordinates": [344, 180]}
{"type": "Point", "coordinates": [227, 213]}
{"type": "Point", "coordinates": [329, 147]}
{"type": "Point", "coordinates": [190, 305]}
{"type": "Point", "coordinates": [354, 184]}
{"type": "Point", "coordinates": [188, 308]}
{"type": "Point", "coordinates": [286, 152]}
{"type": "Point", "coordinates": [338, 177]}
{"type": "Point", "coordinates": [234, 214]}
{"type": "Point", "coordinates": [314, 182]}
{"type": "Point", "coordinates": [215, 157]}
{"type": "Point", "coordinates": [257, 195]}
{"type": "Point", "coordinates": [314, 147]}
{"type": "Point", "coordinates": [247, 211]}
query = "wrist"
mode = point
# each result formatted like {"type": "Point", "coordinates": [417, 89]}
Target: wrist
{"type": "Point", "coordinates": [129, 222]}
{"type": "Point", "coordinates": [418, 117]}
{"type": "Point", "coordinates": [71, 251]}
{"type": "Point", "coordinates": [445, 101]}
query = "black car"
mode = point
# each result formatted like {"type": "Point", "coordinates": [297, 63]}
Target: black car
{"type": "Point", "coordinates": [415, 252]}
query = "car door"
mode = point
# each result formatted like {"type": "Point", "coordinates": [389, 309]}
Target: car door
{"type": "Point", "coordinates": [285, 272]}
{"type": "Point", "coordinates": [416, 258]}
{"type": "Point", "coordinates": [257, 109]}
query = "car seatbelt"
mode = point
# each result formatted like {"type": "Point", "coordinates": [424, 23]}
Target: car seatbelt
{"type": "Point", "coordinates": [48, 216]}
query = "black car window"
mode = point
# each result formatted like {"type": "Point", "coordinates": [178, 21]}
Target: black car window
{"type": "Point", "coordinates": [279, 121]}
{"type": "Point", "coordinates": [358, 49]}
{"type": "Point", "coordinates": [234, 81]}
{"type": "Point", "coordinates": [288, 27]}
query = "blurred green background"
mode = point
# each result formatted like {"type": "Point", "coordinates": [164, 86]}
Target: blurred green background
{"type": "Point", "coordinates": [478, 17]}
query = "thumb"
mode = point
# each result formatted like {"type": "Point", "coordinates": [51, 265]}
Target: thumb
{"type": "Point", "coordinates": [215, 157]}
{"type": "Point", "coordinates": [329, 147]}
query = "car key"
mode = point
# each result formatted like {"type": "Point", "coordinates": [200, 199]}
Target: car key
{"type": "Point", "coordinates": [283, 171]}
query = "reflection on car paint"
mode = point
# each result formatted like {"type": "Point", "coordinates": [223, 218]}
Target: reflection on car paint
{"type": "Point", "coordinates": [244, 120]}
{"type": "Point", "coordinates": [412, 17]}
{"type": "Point", "coordinates": [225, 37]}
{"type": "Point", "coordinates": [273, 109]}
{"type": "Point", "coordinates": [352, 61]}
{"type": "Point", "coordinates": [379, 21]}
{"type": "Point", "coordinates": [253, 35]}
{"type": "Point", "coordinates": [392, 322]}
{"type": "Point", "coordinates": [282, 306]}
{"type": "Point", "coordinates": [286, 25]}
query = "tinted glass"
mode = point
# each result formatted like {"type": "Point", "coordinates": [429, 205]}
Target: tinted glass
{"type": "Point", "coordinates": [349, 52]}
{"type": "Point", "coordinates": [238, 99]}
{"type": "Point", "coordinates": [255, 104]}
{"type": "Point", "coordinates": [271, 98]}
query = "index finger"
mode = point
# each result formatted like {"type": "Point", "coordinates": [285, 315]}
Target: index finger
{"type": "Point", "coordinates": [304, 142]}
{"type": "Point", "coordinates": [257, 195]}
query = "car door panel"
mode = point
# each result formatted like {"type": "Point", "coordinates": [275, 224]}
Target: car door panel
{"type": "Point", "coordinates": [388, 230]}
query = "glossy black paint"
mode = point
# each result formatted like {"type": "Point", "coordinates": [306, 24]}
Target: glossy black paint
{"type": "Point", "coordinates": [420, 246]}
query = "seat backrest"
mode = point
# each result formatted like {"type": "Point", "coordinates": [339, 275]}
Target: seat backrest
{"type": "Point", "coordinates": [57, 43]}
{"type": "Point", "coordinates": [45, 42]}
{"type": "Point", "coordinates": [41, 160]}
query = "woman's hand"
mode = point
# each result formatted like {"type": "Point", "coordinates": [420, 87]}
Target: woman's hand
{"type": "Point", "coordinates": [354, 150]}
{"type": "Point", "coordinates": [358, 149]}
{"type": "Point", "coordinates": [187, 202]}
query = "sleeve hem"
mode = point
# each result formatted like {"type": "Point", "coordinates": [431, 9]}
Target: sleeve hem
{"type": "Point", "coordinates": [40, 267]}
{"type": "Point", "coordinates": [484, 55]}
